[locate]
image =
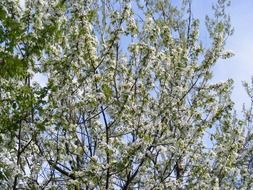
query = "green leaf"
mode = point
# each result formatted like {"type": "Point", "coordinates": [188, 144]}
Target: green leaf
{"type": "Point", "coordinates": [14, 105]}
{"type": "Point", "coordinates": [107, 91]}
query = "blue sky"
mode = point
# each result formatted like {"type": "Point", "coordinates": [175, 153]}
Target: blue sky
{"type": "Point", "coordinates": [239, 67]}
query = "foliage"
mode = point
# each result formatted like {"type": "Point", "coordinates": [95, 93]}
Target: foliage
{"type": "Point", "coordinates": [128, 103]}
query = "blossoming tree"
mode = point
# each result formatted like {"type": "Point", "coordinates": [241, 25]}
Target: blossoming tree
{"type": "Point", "coordinates": [128, 102]}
